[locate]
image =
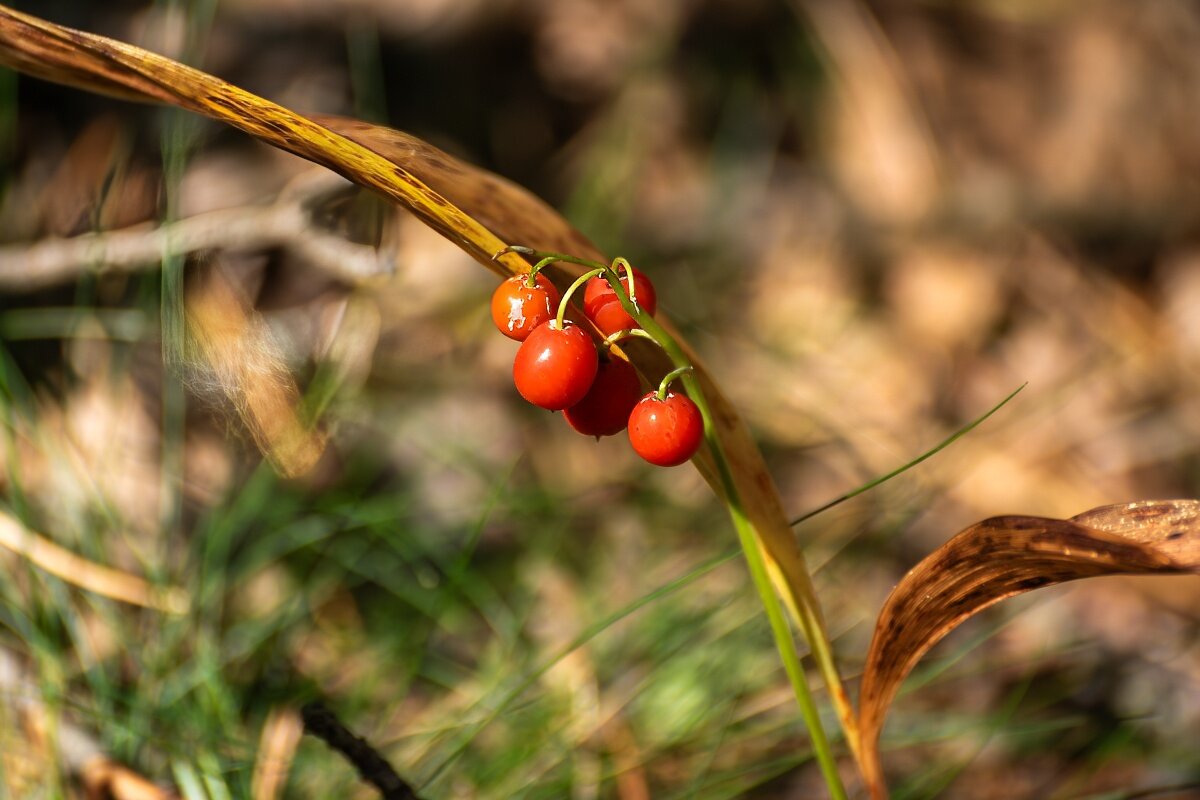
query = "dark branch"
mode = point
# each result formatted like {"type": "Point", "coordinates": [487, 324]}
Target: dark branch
{"type": "Point", "coordinates": [374, 768]}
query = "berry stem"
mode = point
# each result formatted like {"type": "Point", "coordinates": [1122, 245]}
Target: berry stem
{"type": "Point", "coordinates": [566, 298]}
{"type": "Point", "coordinates": [552, 256]}
{"type": "Point", "coordinates": [626, 333]}
{"type": "Point", "coordinates": [665, 385]}
{"type": "Point", "coordinates": [620, 262]}
{"type": "Point", "coordinates": [794, 586]}
{"type": "Point", "coordinates": [801, 599]}
{"type": "Point", "coordinates": [531, 279]}
{"type": "Point", "coordinates": [548, 257]}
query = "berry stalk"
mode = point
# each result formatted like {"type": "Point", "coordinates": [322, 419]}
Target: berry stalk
{"type": "Point", "coordinates": [805, 608]}
{"type": "Point", "coordinates": [612, 339]}
{"type": "Point", "coordinates": [620, 262]}
{"type": "Point", "coordinates": [665, 384]}
{"type": "Point", "coordinates": [795, 587]}
{"type": "Point", "coordinates": [566, 298]}
{"type": "Point", "coordinates": [531, 278]}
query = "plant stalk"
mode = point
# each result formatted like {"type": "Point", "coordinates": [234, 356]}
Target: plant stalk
{"type": "Point", "coordinates": [806, 611]}
{"type": "Point", "coordinates": [801, 600]}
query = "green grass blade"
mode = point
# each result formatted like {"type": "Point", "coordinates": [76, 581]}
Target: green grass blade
{"type": "Point", "coordinates": [585, 636]}
{"type": "Point", "coordinates": [188, 782]}
{"type": "Point", "coordinates": [954, 437]}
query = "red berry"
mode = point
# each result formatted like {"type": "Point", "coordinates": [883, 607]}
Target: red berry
{"type": "Point", "coordinates": [601, 305]}
{"type": "Point", "coordinates": [555, 366]}
{"type": "Point", "coordinates": [518, 308]}
{"type": "Point", "coordinates": [606, 407]}
{"type": "Point", "coordinates": [666, 432]}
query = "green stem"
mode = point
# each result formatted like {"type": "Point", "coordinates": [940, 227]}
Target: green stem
{"type": "Point", "coordinates": [620, 262]}
{"type": "Point", "coordinates": [785, 644]}
{"type": "Point", "coordinates": [566, 298]}
{"type": "Point", "coordinates": [531, 277]}
{"type": "Point", "coordinates": [665, 384]}
{"type": "Point", "coordinates": [803, 602]}
{"type": "Point", "coordinates": [547, 255]}
{"type": "Point", "coordinates": [808, 615]}
{"type": "Point", "coordinates": [625, 333]}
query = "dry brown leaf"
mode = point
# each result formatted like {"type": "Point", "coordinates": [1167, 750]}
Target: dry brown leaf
{"type": "Point", "coordinates": [107, 780]}
{"type": "Point", "coordinates": [1006, 556]}
{"type": "Point", "coordinates": [78, 184]}
{"type": "Point", "coordinates": [405, 170]}
{"type": "Point", "coordinates": [884, 151]}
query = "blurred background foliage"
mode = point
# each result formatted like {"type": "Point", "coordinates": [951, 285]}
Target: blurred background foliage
{"type": "Point", "coordinates": [874, 219]}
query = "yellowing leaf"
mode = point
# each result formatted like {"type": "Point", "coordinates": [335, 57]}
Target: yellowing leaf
{"type": "Point", "coordinates": [479, 212]}
{"type": "Point", "coordinates": [510, 211]}
{"type": "Point", "coordinates": [104, 65]}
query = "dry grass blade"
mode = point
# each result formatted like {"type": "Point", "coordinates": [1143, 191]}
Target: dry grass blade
{"type": "Point", "coordinates": [286, 223]}
{"type": "Point", "coordinates": [281, 735]}
{"type": "Point", "coordinates": [1003, 557]}
{"type": "Point", "coordinates": [88, 575]}
{"type": "Point", "coordinates": [108, 780]}
{"type": "Point", "coordinates": [73, 747]}
{"type": "Point", "coordinates": [238, 351]}
{"type": "Point", "coordinates": [491, 214]}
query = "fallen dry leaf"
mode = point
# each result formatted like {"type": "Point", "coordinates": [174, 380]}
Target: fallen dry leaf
{"type": "Point", "coordinates": [107, 780]}
{"type": "Point", "coordinates": [1006, 556]}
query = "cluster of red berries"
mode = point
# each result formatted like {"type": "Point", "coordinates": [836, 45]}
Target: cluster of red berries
{"type": "Point", "coordinates": [559, 368]}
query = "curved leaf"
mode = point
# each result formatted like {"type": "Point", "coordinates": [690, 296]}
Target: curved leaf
{"type": "Point", "coordinates": [510, 211]}
{"type": "Point", "coordinates": [517, 216]}
{"type": "Point", "coordinates": [1006, 556]}
{"type": "Point", "coordinates": [486, 214]}
{"type": "Point", "coordinates": [105, 65]}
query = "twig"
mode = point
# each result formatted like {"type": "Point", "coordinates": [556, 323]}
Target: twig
{"type": "Point", "coordinates": [374, 768]}
{"type": "Point", "coordinates": [285, 223]}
